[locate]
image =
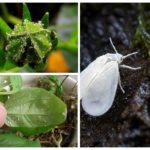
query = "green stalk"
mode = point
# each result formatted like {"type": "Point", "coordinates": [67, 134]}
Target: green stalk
{"type": "Point", "coordinates": [14, 20]}
{"type": "Point", "coordinates": [4, 28]}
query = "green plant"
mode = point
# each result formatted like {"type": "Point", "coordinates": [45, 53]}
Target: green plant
{"type": "Point", "coordinates": [142, 35]}
{"type": "Point", "coordinates": [30, 111]}
{"type": "Point", "coordinates": [7, 138]}
{"type": "Point", "coordinates": [27, 45]}
{"type": "Point", "coordinates": [37, 111]}
{"type": "Point", "coordinates": [50, 83]}
{"type": "Point", "coordinates": [13, 82]}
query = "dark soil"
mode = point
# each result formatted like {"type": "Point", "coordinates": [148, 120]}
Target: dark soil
{"type": "Point", "coordinates": [127, 123]}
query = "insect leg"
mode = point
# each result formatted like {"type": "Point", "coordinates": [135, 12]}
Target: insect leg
{"type": "Point", "coordinates": [129, 67]}
{"type": "Point", "coordinates": [119, 82]}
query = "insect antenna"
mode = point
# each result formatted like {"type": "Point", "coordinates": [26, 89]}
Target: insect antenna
{"type": "Point", "coordinates": [128, 55]}
{"type": "Point", "coordinates": [113, 45]}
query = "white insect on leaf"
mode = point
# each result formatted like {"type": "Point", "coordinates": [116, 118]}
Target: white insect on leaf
{"type": "Point", "coordinates": [99, 82]}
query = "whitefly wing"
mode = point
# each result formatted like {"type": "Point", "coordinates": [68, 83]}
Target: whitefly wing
{"type": "Point", "coordinates": [88, 74]}
{"type": "Point", "coordinates": [100, 91]}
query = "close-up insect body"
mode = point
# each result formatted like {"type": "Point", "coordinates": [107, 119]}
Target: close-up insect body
{"type": "Point", "coordinates": [99, 82]}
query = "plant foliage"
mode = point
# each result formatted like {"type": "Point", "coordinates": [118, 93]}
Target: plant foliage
{"type": "Point", "coordinates": [29, 43]}
{"type": "Point", "coordinates": [30, 110]}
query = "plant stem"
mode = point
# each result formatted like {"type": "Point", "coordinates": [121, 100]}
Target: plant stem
{"type": "Point", "coordinates": [8, 17]}
{"type": "Point", "coordinates": [4, 28]}
{"type": "Point", "coordinates": [4, 9]}
{"type": "Point", "coordinates": [14, 20]}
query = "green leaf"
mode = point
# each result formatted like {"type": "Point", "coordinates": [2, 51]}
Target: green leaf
{"type": "Point", "coordinates": [34, 108]}
{"type": "Point", "coordinates": [16, 46]}
{"type": "Point", "coordinates": [54, 39]}
{"type": "Point", "coordinates": [3, 98]}
{"type": "Point", "coordinates": [26, 12]}
{"type": "Point", "coordinates": [40, 67]}
{"type": "Point", "coordinates": [39, 38]}
{"type": "Point", "coordinates": [32, 130]}
{"type": "Point", "coordinates": [45, 20]}
{"type": "Point", "coordinates": [9, 64]}
{"type": "Point", "coordinates": [51, 84]}
{"type": "Point", "coordinates": [12, 140]}
{"type": "Point", "coordinates": [4, 28]}
{"type": "Point", "coordinates": [2, 53]}
{"type": "Point", "coordinates": [14, 83]}
{"type": "Point", "coordinates": [59, 89]}
{"type": "Point", "coordinates": [3, 82]}
{"type": "Point", "coordinates": [29, 43]}
{"type": "Point", "coordinates": [2, 41]}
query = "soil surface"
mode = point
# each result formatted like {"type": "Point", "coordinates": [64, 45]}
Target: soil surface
{"type": "Point", "coordinates": [127, 123]}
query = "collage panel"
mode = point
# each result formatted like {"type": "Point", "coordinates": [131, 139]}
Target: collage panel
{"type": "Point", "coordinates": [38, 74]}
{"type": "Point", "coordinates": [38, 111]}
{"type": "Point", "coordinates": [38, 37]}
{"type": "Point", "coordinates": [114, 80]}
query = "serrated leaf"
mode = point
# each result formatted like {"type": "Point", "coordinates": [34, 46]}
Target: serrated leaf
{"type": "Point", "coordinates": [34, 108]}
{"type": "Point", "coordinates": [26, 13]}
{"type": "Point", "coordinates": [40, 38]}
{"type": "Point", "coordinates": [16, 47]}
{"type": "Point", "coordinates": [17, 43]}
{"type": "Point", "coordinates": [45, 20]}
{"type": "Point", "coordinates": [12, 140]}
{"type": "Point", "coordinates": [29, 43]}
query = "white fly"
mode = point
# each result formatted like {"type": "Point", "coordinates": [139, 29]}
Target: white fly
{"type": "Point", "coordinates": [99, 82]}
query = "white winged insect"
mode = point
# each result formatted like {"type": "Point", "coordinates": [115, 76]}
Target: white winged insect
{"type": "Point", "coordinates": [99, 82]}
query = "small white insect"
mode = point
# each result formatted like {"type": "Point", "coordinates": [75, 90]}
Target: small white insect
{"type": "Point", "coordinates": [99, 82]}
